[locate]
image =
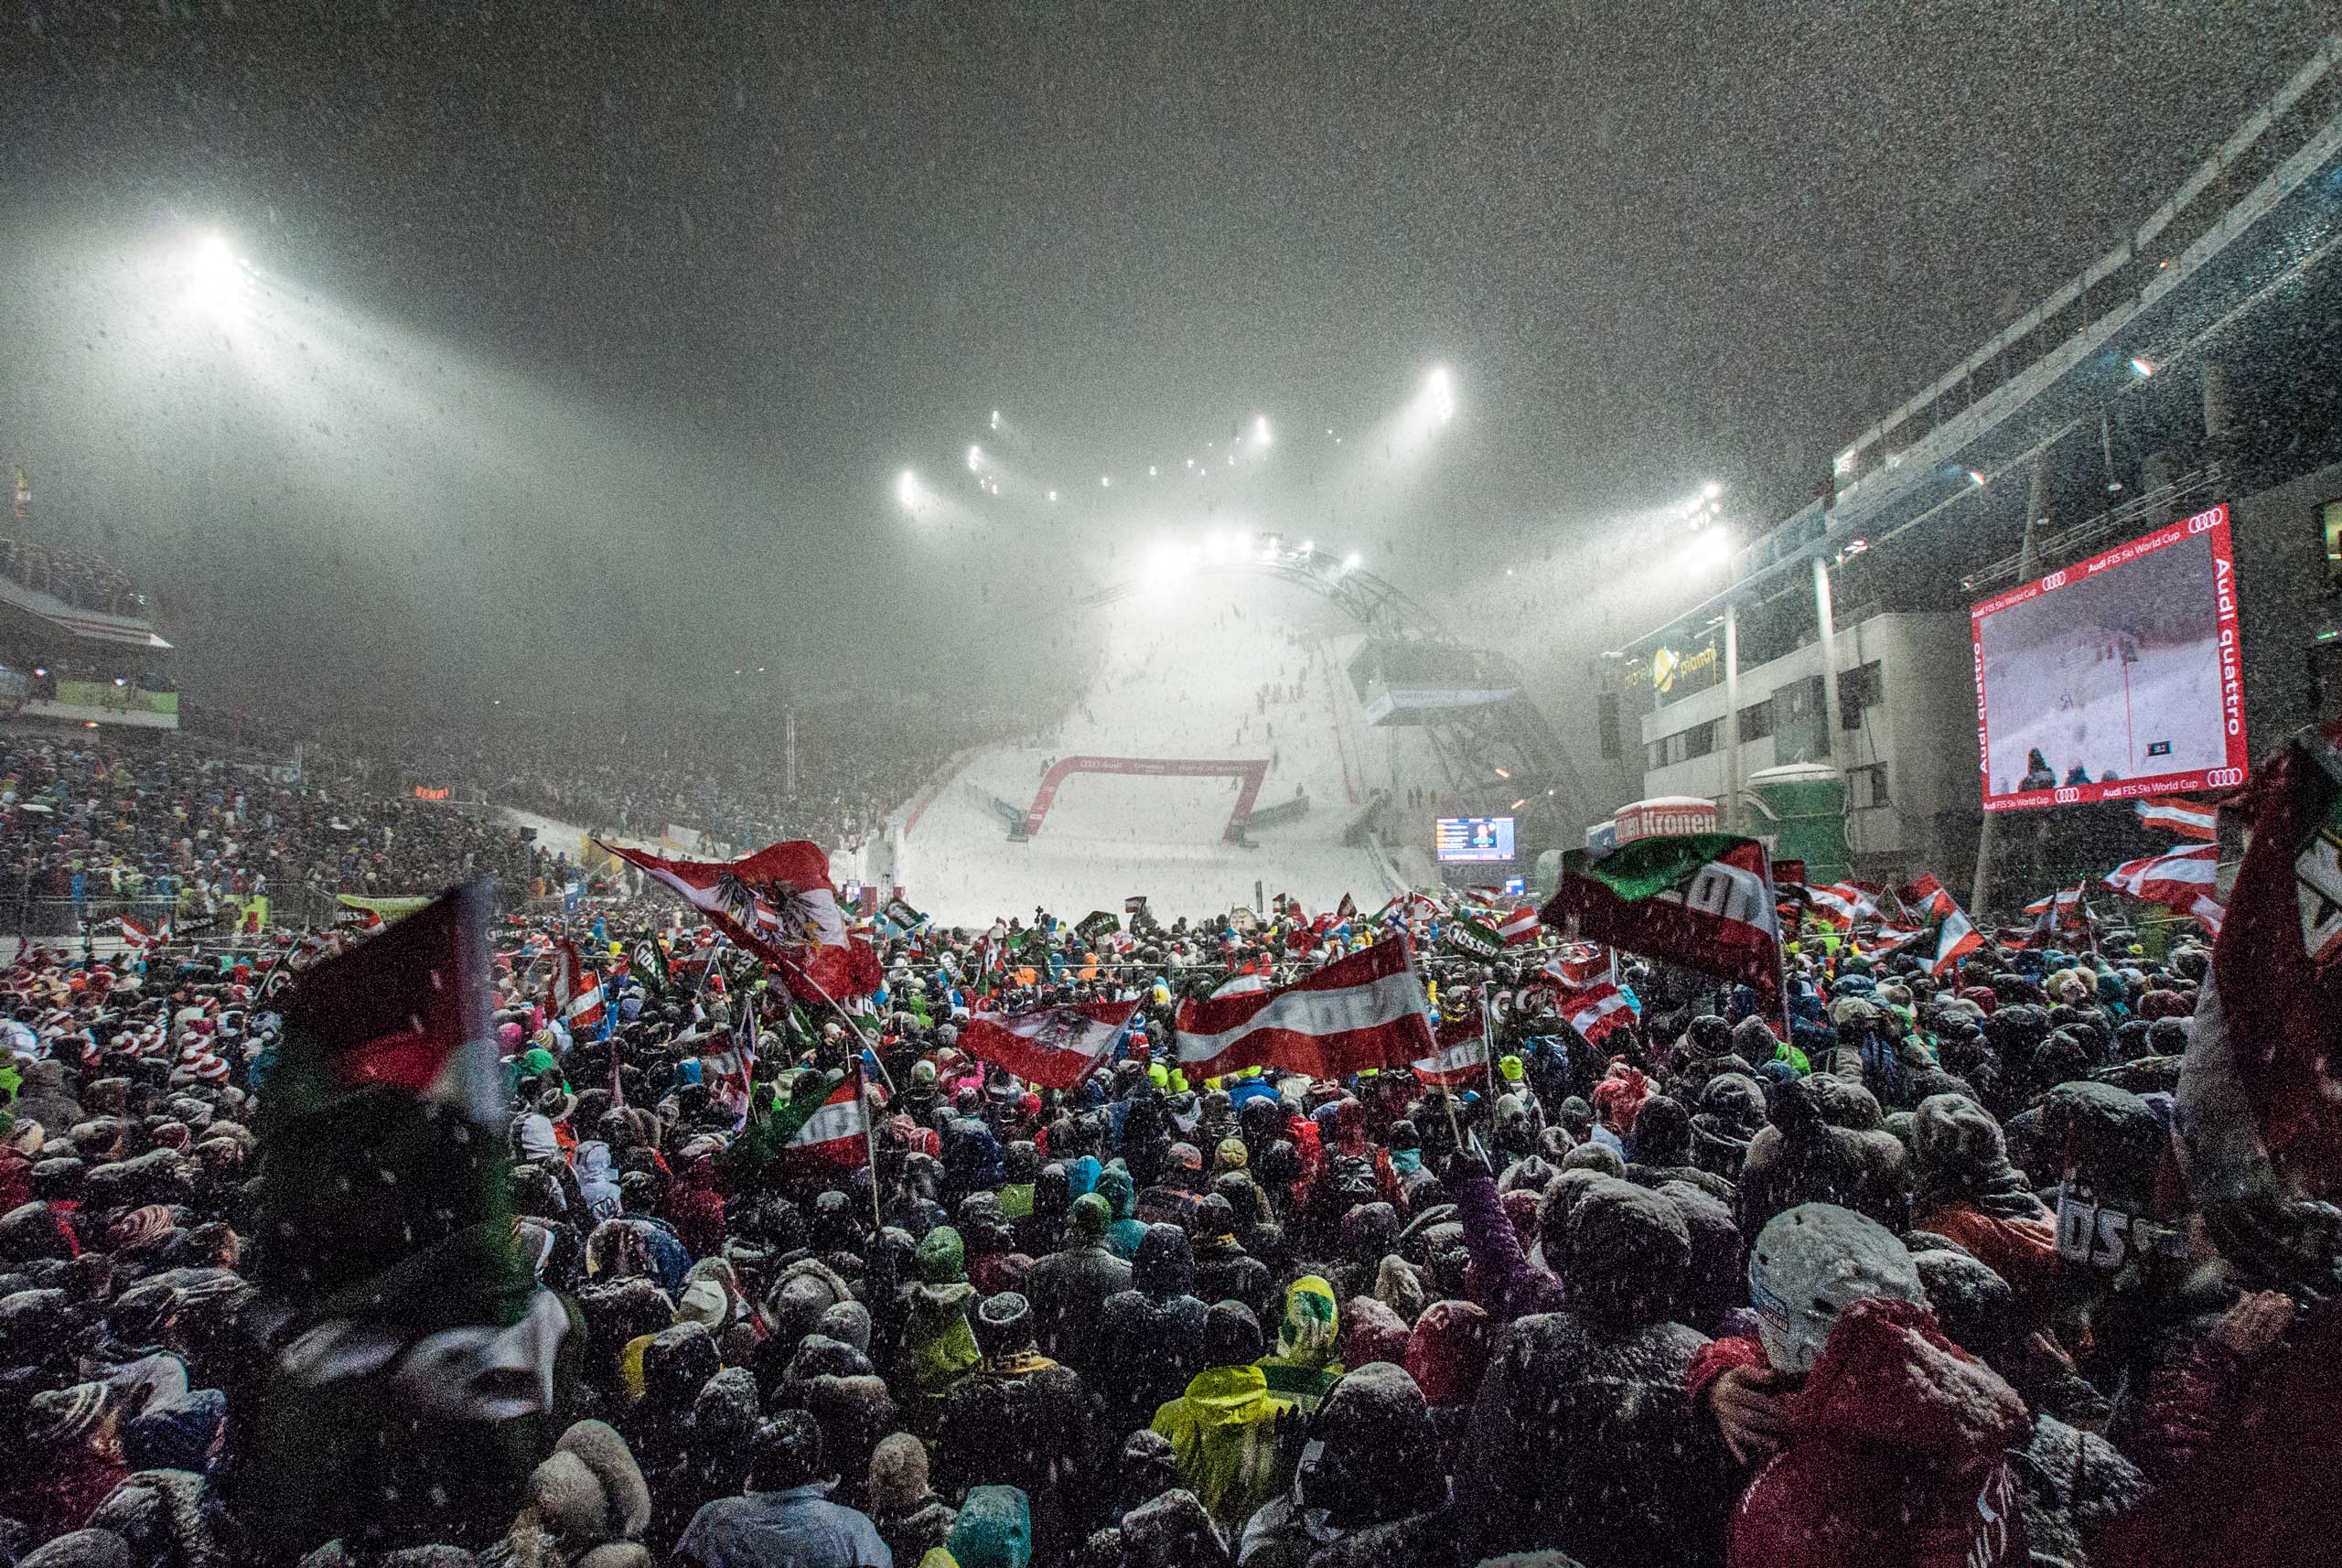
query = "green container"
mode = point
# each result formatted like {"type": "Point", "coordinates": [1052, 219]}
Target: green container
{"type": "Point", "coordinates": [1802, 806]}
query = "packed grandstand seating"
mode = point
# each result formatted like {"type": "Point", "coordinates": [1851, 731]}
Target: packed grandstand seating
{"type": "Point", "coordinates": [82, 578]}
{"type": "Point", "coordinates": [169, 818]}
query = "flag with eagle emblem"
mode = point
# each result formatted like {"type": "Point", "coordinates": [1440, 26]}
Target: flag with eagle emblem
{"type": "Point", "coordinates": [777, 904]}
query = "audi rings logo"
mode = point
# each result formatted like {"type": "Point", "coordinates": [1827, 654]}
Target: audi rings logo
{"type": "Point", "coordinates": [2223, 778]}
{"type": "Point", "coordinates": [2054, 580]}
{"type": "Point", "coordinates": [2066, 796]}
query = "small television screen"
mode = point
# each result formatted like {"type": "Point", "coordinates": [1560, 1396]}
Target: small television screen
{"type": "Point", "coordinates": [1474, 838]}
{"type": "Point", "coordinates": [2119, 676]}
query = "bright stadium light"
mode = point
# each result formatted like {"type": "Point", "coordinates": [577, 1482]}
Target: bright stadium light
{"type": "Point", "coordinates": [1150, 471]}
{"type": "Point", "coordinates": [1352, 562]}
{"type": "Point", "coordinates": [216, 278]}
{"type": "Point", "coordinates": [995, 419]}
{"type": "Point", "coordinates": [975, 458]}
{"type": "Point", "coordinates": [1105, 481]}
{"type": "Point", "coordinates": [1711, 490]}
{"type": "Point", "coordinates": [1053, 495]}
{"type": "Point", "coordinates": [1439, 395]}
{"type": "Point", "coordinates": [1261, 430]}
{"type": "Point", "coordinates": [1308, 546]}
{"type": "Point", "coordinates": [907, 488]}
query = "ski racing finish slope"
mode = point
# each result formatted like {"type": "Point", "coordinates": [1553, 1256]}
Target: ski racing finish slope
{"type": "Point", "coordinates": [1215, 708]}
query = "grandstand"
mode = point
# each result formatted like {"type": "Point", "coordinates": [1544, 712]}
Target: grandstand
{"type": "Point", "coordinates": [78, 643]}
{"type": "Point", "coordinates": [2186, 368]}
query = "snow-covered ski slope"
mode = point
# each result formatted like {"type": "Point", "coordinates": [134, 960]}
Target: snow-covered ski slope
{"type": "Point", "coordinates": [1182, 677]}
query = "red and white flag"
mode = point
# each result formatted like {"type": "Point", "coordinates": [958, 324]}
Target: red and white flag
{"type": "Point", "coordinates": [1577, 964]}
{"type": "Point", "coordinates": [1363, 1011]}
{"type": "Point", "coordinates": [1841, 904]}
{"type": "Point", "coordinates": [143, 939]}
{"type": "Point", "coordinates": [837, 1136]}
{"type": "Point", "coordinates": [1053, 1047]}
{"type": "Point", "coordinates": [577, 990]}
{"type": "Point", "coordinates": [2183, 880]}
{"type": "Point", "coordinates": [1955, 935]}
{"type": "Point", "coordinates": [777, 903]}
{"type": "Point", "coordinates": [1463, 1054]}
{"type": "Point", "coordinates": [1521, 925]}
{"type": "Point", "coordinates": [2181, 818]}
{"type": "Point", "coordinates": [1596, 1011]}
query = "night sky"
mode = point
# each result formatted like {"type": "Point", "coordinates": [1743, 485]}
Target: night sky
{"type": "Point", "coordinates": [683, 288]}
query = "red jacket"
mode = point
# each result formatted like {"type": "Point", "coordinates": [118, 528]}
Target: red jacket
{"type": "Point", "coordinates": [1893, 1455]}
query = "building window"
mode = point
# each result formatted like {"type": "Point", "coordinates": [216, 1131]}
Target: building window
{"type": "Point", "coordinates": [1700, 739]}
{"type": "Point", "coordinates": [1605, 724]}
{"type": "Point", "coordinates": [1867, 785]}
{"type": "Point", "coordinates": [1859, 688]}
{"type": "Point", "coordinates": [1756, 720]}
{"type": "Point", "coordinates": [2329, 517]}
{"type": "Point", "coordinates": [1654, 756]}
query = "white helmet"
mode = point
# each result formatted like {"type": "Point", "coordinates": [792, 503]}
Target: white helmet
{"type": "Point", "coordinates": [1808, 1264]}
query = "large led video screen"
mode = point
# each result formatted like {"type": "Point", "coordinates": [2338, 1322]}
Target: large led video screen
{"type": "Point", "coordinates": [1473, 839]}
{"type": "Point", "coordinates": [2118, 676]}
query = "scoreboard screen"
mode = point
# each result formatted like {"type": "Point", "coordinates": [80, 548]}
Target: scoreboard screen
{"type": "Point", "coordinates": [1473, 838]}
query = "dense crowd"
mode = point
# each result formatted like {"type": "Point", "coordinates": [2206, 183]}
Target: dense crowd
{"type": "Point", "coordinates": [80, 577]}
{"type": "Point", "coordinates": [171, 821]}
{"type": "Point", "coordinates": [727, 779]}
{"type": "Point", "coordinates": [1916, 1284]}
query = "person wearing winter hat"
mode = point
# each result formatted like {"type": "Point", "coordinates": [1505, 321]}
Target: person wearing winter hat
{"type": "Point", "coordinates": [782, 1516]}
{"type": "Point", "coordinates": [1602, 1386]}
{"type": "Point", "coordinates": [910, 1519]}
{"type": "Point", "coordinates": [1887, 1448]}
{"type": "Point", "coordinates": [1015, 1389]}
{"type": "Point", "coordinates": [587, 1504]}
{"type": "Point", "coordinates": [1223, 1430]}
{"type": "Point", "coordinates": [1125, 1229]}
{"type": "Point", "coordinates": [1971, 1195]}
{"type": "Point", "coordinates": [75, 1431]}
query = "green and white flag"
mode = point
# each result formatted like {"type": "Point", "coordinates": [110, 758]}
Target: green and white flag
{"type": "Point", "coordinates": [1471, 938]}
{"type": "Point", "coordinates": [903, 914]}
{"type": "Point", "coordinates": [1096, 924]}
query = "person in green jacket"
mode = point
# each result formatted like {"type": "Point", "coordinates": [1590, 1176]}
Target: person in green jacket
{"type": "Point", "coordinates": [938, 1343]}
{"type": "Point", "coordinates": [1227, 1432]}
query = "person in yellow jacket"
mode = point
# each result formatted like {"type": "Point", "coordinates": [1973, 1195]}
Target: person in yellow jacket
{"type": "Point", "coordinates": [1230, 1437]}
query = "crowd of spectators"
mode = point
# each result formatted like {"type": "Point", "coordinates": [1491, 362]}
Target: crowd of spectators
{"type": "Point", "coordinates": [172, 821]}
{"type": "Point", "coordinates": [82, 578]}
{"type": "Point", "coordinates": [1698, 1297]}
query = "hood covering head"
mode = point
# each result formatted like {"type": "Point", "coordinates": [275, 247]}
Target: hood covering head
{"type": "Point", "coordinates": [1088, 1221]}
{"type": "Point", "coordinates": [1887, 1379]}
{"type": "Point", "coordinates": [1371, 1332]}
{"type": "Point", "coordinates": [1662, 1132]}
{"type": "Point", "coordinates": [1448, 1351]}
{"type": "Point", "coordinates": [1376, 1450]}
{"type": "Point", "coordinates": [1628, 1255]}
{"type": "Point", "coordinates": [1118, 1191]}
{"type": "Point", "coordinates": [898, 1473]}
{"type": "Point", "coordinates": [1958, 1149]}
{"type": "Point", "coordinates": [994, 1530]}
{"type": "Point", "coordinates": [1165, 1264]}
{"type": "Point", "coordinates": [1809, 1265]}
{"type": "Point", "coordinates": [940, 1260]}
{"type": "Point", "coordinates": [1309, 1332]}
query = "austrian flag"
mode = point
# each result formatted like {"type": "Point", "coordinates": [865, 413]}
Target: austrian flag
{"type": "Point", "coordinates": [1463, 1054]}
{"type": "Point", "coordinates": [2184, 880]}
{"type": "Point", "coordinates": [1053, 1047]}
{"type": "Point", "coordinates": [1596, 1010]}
{"type": "Point", "coordinates": [1363, 1011]}
{"type": "Point", "coordinates": [777, 904]}
{"type": "Point", "coordinates": [1521, 925]}
{"type": "Point", "coordinates": [837, 1136]}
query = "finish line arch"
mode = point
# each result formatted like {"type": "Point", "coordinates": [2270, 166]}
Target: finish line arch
{"type": "Point", "coordinates": [1252, 774]}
